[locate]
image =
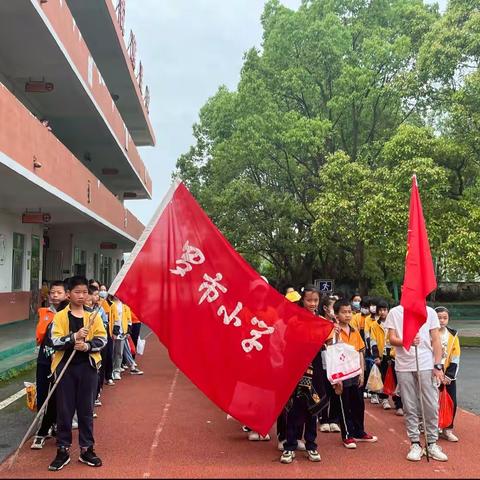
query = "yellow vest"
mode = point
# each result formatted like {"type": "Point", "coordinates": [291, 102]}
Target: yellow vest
{"type": "Point", "coordinates": [453, 350]}
{"type": "Point", "coordinates": [61, 328]}
{"type": "Point", "coordinates": [126, 317]}
{"type": "Point", "coordinates": [379, 336]}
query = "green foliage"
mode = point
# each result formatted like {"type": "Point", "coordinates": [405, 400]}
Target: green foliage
{"type": "Point", "coordinates": [306, 167]}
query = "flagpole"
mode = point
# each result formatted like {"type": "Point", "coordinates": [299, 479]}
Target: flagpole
{"type": "Point", "coordinates": [420, 391]}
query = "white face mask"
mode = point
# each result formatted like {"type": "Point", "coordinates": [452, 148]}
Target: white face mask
{"type": "Point", "coordinates": [365, 311]}
{"type": "Point", "coordinates": [373, 309]}
{"type": "Point", "coordinates": [103, 294]}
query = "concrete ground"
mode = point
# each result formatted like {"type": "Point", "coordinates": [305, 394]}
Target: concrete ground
{"type": "Point", "coordinates": [160, 425]}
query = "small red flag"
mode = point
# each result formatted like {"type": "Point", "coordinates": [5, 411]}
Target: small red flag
{"type": "Point", "coordinates": [419, 279]}
{"type": "Point", "coordinates": [240, 341]}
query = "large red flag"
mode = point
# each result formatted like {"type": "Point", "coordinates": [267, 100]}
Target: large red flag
{"type": "Point", "coordinates": [419, 279]}
{"type": "Point", "coordinates": [240, 341]}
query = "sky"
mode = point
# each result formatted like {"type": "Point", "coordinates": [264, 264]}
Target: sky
{"type": "Point", "coordinates": [188, 49]}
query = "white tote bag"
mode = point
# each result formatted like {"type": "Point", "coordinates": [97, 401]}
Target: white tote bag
{"type": "Point", "coordinates": [343, 362]}
{"type": "Point", "coordinates": [140, 346]}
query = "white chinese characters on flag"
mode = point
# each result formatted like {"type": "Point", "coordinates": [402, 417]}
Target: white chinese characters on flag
{"type": "Point", "coordinates": [242, 343]}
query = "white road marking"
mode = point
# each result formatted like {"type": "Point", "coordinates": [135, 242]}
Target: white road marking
{"type": "Point", "coordinates": [161, 424]}
{"type": "Point", "coordinates": [12, 398]}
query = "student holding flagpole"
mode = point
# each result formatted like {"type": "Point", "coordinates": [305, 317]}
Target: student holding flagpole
{"type": "Point", "coordinates": [418, 367]}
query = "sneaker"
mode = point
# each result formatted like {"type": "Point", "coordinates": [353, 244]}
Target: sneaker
{"type": "Point", "coordinates": [89, 457]}
{"type": "Point", "coordinates": [399, 412]}
{"type": "Point", "coordinates": [110, 382]}
{"type": "Point", "coordinates": [97, 403]}
{"type": "Point", "coordinates": [95, 415]}
{"type": "Point", "coordinates": [366, 437]}
{"type": "Point", "coordinates": [325, 427]}
{"type": "Point", "coordinates": [385, 404]}
{"type": "Point", "coordinates": [287, 456]}
{"type": "Point", "coordinates": [256, 437]}
{"type": "Point", "coordinates": [374, 399]}
{"type": "Point", "coordinates": [350, 443]}
{"type": "Point", "coordinates": [435, 452]}
{"type": "Point", "coordinates": [246, 429]}
{"type": "Point", "coordinates": [313, 456]}
{"type": "Point", "coordinates": [136, 371]}
{"type": "Point", "coordinates": [334, 427]}
{"type": "Point", "coordinates": [116, 376]}
{"type": "Point", "coordinates": [415, 453]}
{"type": "Point", "coordinates": [280, 445]}
{"type": "Point", "coordinates": [301, 445]}
{"type": "Point", "coordinates": [62, 459]}
{"type": "Point", "coordinates": [74, 425]}
{"type": "Point", "coordinates": [447, 435]}
{"type": "Point", "coordinates": [52, 431]}
{"type": "Point", "coordinates": [38, 442]}
{"type": "Point", "coordinates": [365, 395]}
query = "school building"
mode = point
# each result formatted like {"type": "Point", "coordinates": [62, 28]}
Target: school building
{"type": "Point", "coordinates": [73, 110]}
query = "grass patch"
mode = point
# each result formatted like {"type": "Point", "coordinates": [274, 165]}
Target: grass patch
{"type": "Point", "coordinates": [470, 341]}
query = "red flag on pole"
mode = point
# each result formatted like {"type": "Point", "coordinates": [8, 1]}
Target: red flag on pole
{"type": "Point", "coordinates": [419, 279]}
{"type": "Point", "coordinates": [240, 341]}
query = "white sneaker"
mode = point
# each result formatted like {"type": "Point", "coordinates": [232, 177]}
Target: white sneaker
{"type": "Point", "coordinates": [110, 382]}
{"type": "Point", "coordinates": [365, 395]}
{"type": "Point", "coordinates": [435, 451]}
{"type": "Point", "coordinates": [301, 445]}
{"type": "Point", "coordinates": [280, 446]}
{"type": "Point", "coordinates": [334, 427]}
{"type": "Point", "coordinates": [374, 399]}
{"type": "Point", "coordinates": [449, 435]}
{"type": "Point", "coordinates": [116, 376]}
{"type": "Point", "coordinates": [97, 403]}
{"type": "Point", "coordinates": [136, 371]}
{"type": "Point", "coordinates": [415, 453]}
{"type": "Point", "coordinates": [313, 455]}
{"type": "Point", "coordinates": [38, 443]}
{"type": "Point", "coordinates": [385, 404]}
{"type": "Point", "coordinates": [287, 456]}
{"type": "Point", "coordinates": [325, 427]}
{"type": "Point", "coordinates": [256, 437]}
{"type": "Point", "coordinates": [74, 425]}
{"type": "Point", "coordinates": [399, 412]}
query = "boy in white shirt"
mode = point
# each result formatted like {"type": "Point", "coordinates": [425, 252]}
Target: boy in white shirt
{"type": "Point", "coordinates": [431, 373]}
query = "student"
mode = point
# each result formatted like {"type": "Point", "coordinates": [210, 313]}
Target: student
{"type": "Point", "coordinates": [120, 325]}
{"type": "Point", "coordinates": [451, 362]}
{"type": "Point", "coordinates": [307, 396]}
{"type": "Point", "coordinates": [136, 327]}
{"type": "Point", "coordinates": [356, 303]}
{"type": "Point", "coordinates": [383, 354]}
{"type": "Point", "coordinates": [106, 303]}
{"type": "Point", "coordinates": [330, 417]}
{"type": "Point", "coordinates": [369, 321]}
{"type": "Point", "coordinates": [78, 386]}
{"type": "Point", "coordinates": [93, 303]}
{"type": "Point", "coordinates": [350, 390]}
{"type": "Point", "coordinates": [57, 298]}
{"type": "Point", "coordinates": [430, 369]}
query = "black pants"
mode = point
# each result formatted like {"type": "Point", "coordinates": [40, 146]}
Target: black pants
{"type": "Point", "coordinates": [282, 427]}
{"type": "Point", "coordinates": [76, 391]}
{"type": "Point", "coordinates": [354, 409]}
{"type": "Point", "coordinates": [135, 334]}
{"type": "Point", "coordinates": [101, 371]}
{"type": "Point", "coordinates": [43, 387]}
{"type": "Point", "coordinates": [332, 413]}
{"type": "Point", "coordinates": [452, 391]}
{"type": "Point", "coordinates": [107, 359]}
{"type": "Point", "coordinates": [297, 419]}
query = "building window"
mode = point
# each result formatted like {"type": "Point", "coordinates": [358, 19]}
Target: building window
{"type": "Point", "coordinates": [105, 270]}
{"type": "Point", "coordinates": [18, 261]}
{"type": "Point", "coordinates": [95, 266]}
{"type": "Point", "coordinates": [79, 262]}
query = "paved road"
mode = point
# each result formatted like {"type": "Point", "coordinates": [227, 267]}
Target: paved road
{"type": "Point", "coordinates": [468, 383]}
{"type": "Point", "coordinates": [160, 425]}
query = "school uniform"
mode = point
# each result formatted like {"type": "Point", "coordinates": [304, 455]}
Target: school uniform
{"type": "Point", "coordinates": [381, 348]}
{"type": "Point", "coordinates": [120, 319]}
{"type": "Point", "coordinates": [306, 402]}
{"type": "Point", "coordinates": [136, 326]}
{"type": "Point", "coordinates": [352, 395]}
{"type": "Point", "coordinates": [78, 387]}
{"type": "Point", "coordinates": [451, 361]}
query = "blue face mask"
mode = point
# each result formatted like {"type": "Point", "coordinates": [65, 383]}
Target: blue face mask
{"type": "Point", "coordinates": [103, 294]}
{"type": "Point", "coordinates": [356, 305]}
